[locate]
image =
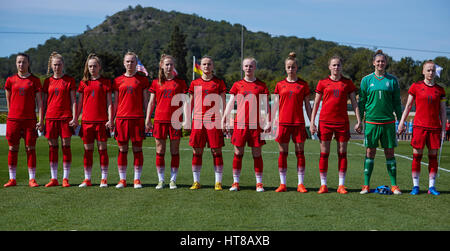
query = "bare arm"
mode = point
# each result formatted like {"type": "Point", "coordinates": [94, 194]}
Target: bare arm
{"type": "Point", "coordinates": [312, 126]}
{"type": "Point", "coordinates": [355, 106]}
{"type": "Point", "coordinates": [308, 107]}
{"type": "Point", "coordinates": [8, 98]}
{"type": "Point", "coordinates": [73, 104]}
{"type": "Point", "coordinates": [443, 117]}
{"type": "Point", "coordinates": [150, 106]}
{"type": "Point", "coordinates": [79, 105]}
{"type": "Point", "coordinates": [40, 124]}
{"type": "Point", "coordinates": [110, 123]}
{"type": "Point", "coordinates": [229, 107]}
{"type": "Point", "coordinates": [401, 124]}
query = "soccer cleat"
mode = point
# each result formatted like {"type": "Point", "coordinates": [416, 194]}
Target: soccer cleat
{"type": "Point", "coordinates": [433, 191]}
{"type": "Point", "coordinates": [195, 186]}
{"type": "Point", "coordinates": [10, 183]}
{"type": "Point", "coordinates": [235, 187]}
{"type": "Point", "coordinates": [160, 185]}
{"type": "Point", "coordinates": [365, 190]}
{"type": "Point", "coordinates": [52, 183]}
{"type": "Point", "coordinates": [323, 189]}
{"type": "Point", "coordinates": [65, 183]}
{"type": "Point", "coordinates": [218, 186]}
{"type": "Point", "coordinates": [122, 184]}
{"type": "Point", "coordinates": [172, 185]}
{"type": "Point", "coordinates": [86, 183]}
{"type": "Point", "coordinates": [301, 188]}
{"type": "Point", "coordinates": [396, 190]}
{"type": "Point", "coordinates": [281, 188]}
{"type": "Point", "coordinates": [415, 190]}
{"type": "Point", "coordinates": [137, 184]}
{"type": "Point", "coordinates": [259, 187]}
{"type": "Point", "coordinates": [103, 183]}
{"type": "Point", "coordinates": [342, 189]}
{"type": "Point", "coordinates": [32, 183]}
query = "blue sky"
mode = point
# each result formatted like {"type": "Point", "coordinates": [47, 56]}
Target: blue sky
{"type": "Point", "coordinates": [390, 25]}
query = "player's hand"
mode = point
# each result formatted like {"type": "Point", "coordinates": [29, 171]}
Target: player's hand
{"type": "Point", "coordinates": [73, 123]}
{"type": "Point", "coordinates": [109, 125]}
{"type": "Point", "coordinates": [312, 128]}
{"type": "Point", "coordinates": [401, 128]}
{"type": "Point", "coordinates": [186, 126]}
{"type": "Point", "coordinates": [267, 128]}
{"type": "Point", "coordinates": [40, 126]}
{"type": "Point", "coordinates": [358, 127]}
{"type": "Point", "coordinates": [148, 125]}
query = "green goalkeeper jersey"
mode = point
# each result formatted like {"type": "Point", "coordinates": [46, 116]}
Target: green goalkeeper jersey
{"type": "Point", "coordinates": [379, 98]}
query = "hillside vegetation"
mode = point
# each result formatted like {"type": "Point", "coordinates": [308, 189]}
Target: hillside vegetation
{"type": "Point", "coordinates": [149, 31]}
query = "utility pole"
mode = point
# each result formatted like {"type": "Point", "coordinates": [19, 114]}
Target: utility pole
{"type": "Point", "coordinates": [242, 47]}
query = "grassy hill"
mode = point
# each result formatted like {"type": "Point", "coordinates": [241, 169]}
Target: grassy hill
{"type": "Point", "coordinates": [147, 31]}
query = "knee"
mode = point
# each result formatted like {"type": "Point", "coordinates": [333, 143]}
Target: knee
{"type": "Point", "coordinates": [371, 152]}
{"type": "Point", "coordinates": [14, 148]}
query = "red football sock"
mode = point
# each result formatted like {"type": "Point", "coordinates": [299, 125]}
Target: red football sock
{"type": "Point", "coordinates": [342, 159]}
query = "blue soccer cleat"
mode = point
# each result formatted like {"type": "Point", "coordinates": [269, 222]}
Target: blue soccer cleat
{"type": "Point", "coordinates": [433, 191]}
{"type": "Point", "coordinates": [415, 190]}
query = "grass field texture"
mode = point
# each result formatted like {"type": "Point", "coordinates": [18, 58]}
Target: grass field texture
{"type": "Point", "coordinates": [94, 208]}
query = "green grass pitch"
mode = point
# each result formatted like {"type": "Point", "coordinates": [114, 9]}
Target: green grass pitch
{"type": "Point", "coordinates": [94, 208]}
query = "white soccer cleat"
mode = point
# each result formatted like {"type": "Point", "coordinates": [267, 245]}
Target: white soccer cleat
{"type": "Point", "coordinates": [137, 184]}
{"type": "Point", "coordinates": [160, 185]}
{"type": "Point", "coordinates": [259, 187]}
{"type": "Point", "coordinates": [172, 185]}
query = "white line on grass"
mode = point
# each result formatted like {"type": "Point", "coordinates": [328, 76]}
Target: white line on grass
{"type": "Point", "coordinates": [272, 152]}
{"type": "Point", "coordinates": [402, 156]}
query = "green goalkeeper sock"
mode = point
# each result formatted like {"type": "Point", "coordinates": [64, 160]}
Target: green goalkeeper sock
{"type": "Point", "coordinates": [368, 168]}
{"type": "Point", "coordinates": [391, 166]}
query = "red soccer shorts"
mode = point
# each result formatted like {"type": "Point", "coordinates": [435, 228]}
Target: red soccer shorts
{"type": "Point", "coordinates": [26, 129]}
{"type": "Point", "coordinates": [341, 132]}
{"type": "Point", "coordinates": [162, 130]}
{"type": "Point", "coordinates": [250, 136]}
{"type": "Point", "coordinates": [213, 136]}
{"type": "Point", "coordinates": [129, 129]}
{"type": "Point", "coordinates": [58, 128]}
{"type": "Point", "coordinates": [285, 133]}
{"type": "Point", "coordinates": [90, 132]}
{"type": "Point", "coordinates": [428, 136]}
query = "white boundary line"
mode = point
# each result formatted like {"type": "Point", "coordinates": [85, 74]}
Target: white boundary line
{"type": "Point", "coordinates": [359, 144]}
{"type": "Point", "coordinates": [403, 156]}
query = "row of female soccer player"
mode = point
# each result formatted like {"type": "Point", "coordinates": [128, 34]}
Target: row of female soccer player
{"type": "Point", "coordinates": [378, 101]}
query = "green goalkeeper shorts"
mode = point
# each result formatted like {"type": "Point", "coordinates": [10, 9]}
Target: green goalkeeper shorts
{"type": "Point", "coordinates": [385, 133]}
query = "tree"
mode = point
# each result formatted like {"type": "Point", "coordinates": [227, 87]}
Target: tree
{"type": "Point", "coordinates": [177, 48]}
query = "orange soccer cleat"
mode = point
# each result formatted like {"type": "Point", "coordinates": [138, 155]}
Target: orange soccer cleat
{"type": "Point", "coordinates": [281, 188]}
{"type": "Point", "coordinates": [301, 188]}
{"type": "Point", "coordinates": [342, 189]}
{"type": "Point", "coordinates": [10, 183]}
{"type": "Point", "coordinates": [323, 189]}
{"type": "Point", "coordinates": [52, 183]}
{"type": "Point", "coordinates": [32, 183]}
{"type": "Point", "coordinates": [65, 183]}
{"type": "Point", "coordinates": [235, 187]}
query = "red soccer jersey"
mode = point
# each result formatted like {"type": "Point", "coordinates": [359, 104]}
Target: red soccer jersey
{"type": "Point", "coordinates": [334, 99]}
{"type": "Point", "coordinates": [58, 100]}
{"type": "Point", "coordinates": [292, 95]}
{"type": "Point", "coordinates": [248, 100]}
{"type": "Point", "coordinates": [213, 86]}
{"type": "Point", "coordinates": [130, 98]}
{"type": "Point", "coordinates": [23, 96]}
{"type": "Point", "coordinates": [95, 105]}
{"type": "Point", "coordinates": [428, 104]}
{"type": "Point", "coordinates": [164, 94]}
